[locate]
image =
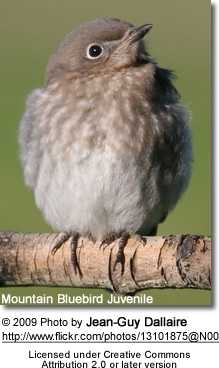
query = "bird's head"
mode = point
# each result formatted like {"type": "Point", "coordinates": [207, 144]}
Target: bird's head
{"type": "Point", "coordinates": [104, 42]}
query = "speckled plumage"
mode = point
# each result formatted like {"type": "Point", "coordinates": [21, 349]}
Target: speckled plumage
{"type": "Point", "coordinates": [105, 144]}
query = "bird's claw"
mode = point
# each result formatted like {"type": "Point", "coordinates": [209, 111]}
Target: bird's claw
{"type": "Point", "coordinates": [74, 243]}
{"type": "Point", "coordinates": [120, 257]}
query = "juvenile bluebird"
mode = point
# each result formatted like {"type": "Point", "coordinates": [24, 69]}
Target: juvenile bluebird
{"type": "Point", "coordinates": [105, 144]}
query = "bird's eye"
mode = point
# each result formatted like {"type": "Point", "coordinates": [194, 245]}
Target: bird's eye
{"type": "Point", "coordinates": [94, 51]}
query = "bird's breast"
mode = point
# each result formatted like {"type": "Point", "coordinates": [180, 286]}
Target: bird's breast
{"type": "Point", "coordinates": [105, 112]}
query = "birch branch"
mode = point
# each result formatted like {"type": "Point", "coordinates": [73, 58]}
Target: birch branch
{"type": "Point", "coordinates": [179, 261]}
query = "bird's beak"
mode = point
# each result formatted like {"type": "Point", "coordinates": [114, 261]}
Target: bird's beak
{"type": "Point", "coordinates": [132, 35]}
{"type": "Point", "coordinates": [137, 33]}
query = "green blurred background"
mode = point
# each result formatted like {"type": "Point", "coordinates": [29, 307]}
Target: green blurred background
{"type": "Point", "coordinates": [30, 30]}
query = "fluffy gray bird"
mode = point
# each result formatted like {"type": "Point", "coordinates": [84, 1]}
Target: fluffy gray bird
{"type": "Point", "coordinates": [105, 144]}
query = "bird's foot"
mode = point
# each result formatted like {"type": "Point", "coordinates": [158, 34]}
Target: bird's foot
{"type": "Point", "coordinates": [109, 239]}
{"type": "Point", "coordinates": [120, 256]}
{"type": "Point", "coordinates": [74, 243]}
{"type": "Point", "coordinates": [123, 239]}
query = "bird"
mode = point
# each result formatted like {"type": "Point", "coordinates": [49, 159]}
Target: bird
{"type": "Point", "coordinates": [106, 143]}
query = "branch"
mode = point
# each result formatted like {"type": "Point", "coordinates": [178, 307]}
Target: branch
{"type": "Point", "coordinates": [179, 261]}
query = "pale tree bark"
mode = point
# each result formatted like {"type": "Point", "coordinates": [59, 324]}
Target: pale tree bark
{"type": "Point", "coordinates": [179, 261]}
